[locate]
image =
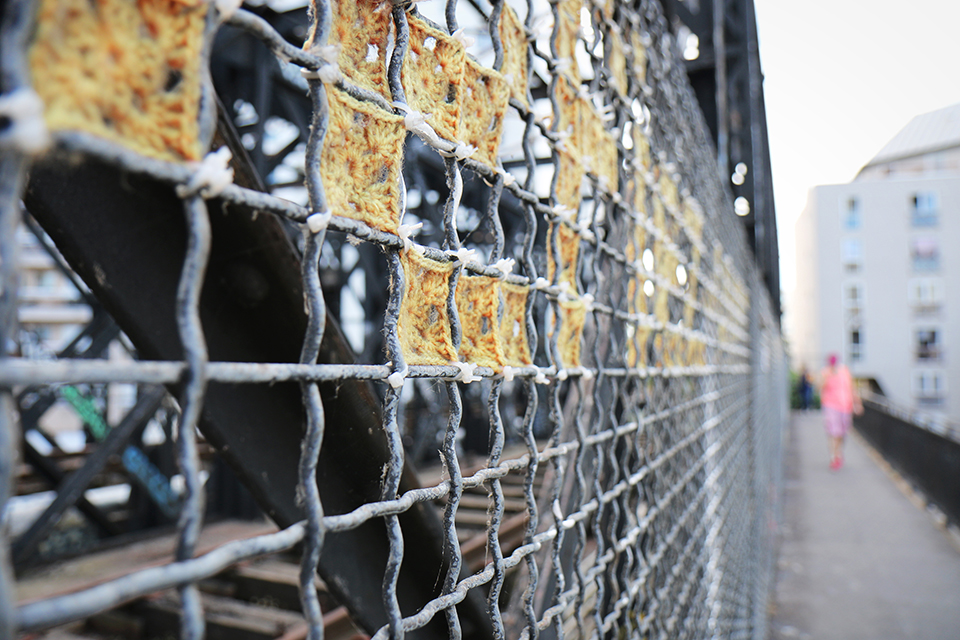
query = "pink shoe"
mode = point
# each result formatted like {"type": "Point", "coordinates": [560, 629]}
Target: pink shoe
{"type": "Point", "coordinates": [835, 464]}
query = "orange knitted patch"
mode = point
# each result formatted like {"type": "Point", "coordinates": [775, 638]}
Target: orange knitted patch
{"type": "Point", "coordinates": [424, 324]}
{"type": "Point", "coordinates": [568, 241]}
{"type": "Point", "coordinates": [433, 77]}
{"type": "Point", "coordinates": [485, 99]}
{"type": "Point", "coordinates": [573, 315]}
{"type": "Point", "coordinates": [567, 29]}
{"type": "Point", "coordinates": [514, 69]}
{"type": "Point", "coordinates": [513, 325]}
{"type": "Point", "coordinates": [126, 71]}
{"type": "Point", "coordinates": [362, 29]}
{"type": "Point", "coordinates": [599, 146]}
{"type": "Point", "coordinates": [569, 181]}
{"type": "Point", "coordinates": [361, 161]}
{"type": "Point", "coordinates": [478, 300]}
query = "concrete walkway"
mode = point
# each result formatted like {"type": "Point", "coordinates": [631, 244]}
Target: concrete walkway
{"type": "Point", "coordinates": [858, 559]}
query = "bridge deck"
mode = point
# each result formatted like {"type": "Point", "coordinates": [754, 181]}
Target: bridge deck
{"type": "Point", "coordinates": [858, 558]}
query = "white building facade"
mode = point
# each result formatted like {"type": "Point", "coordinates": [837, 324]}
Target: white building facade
{"type": "Point", "coordinates": [878, 269]}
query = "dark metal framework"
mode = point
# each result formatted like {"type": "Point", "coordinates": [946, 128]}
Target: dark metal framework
{"type": "Point", "coordinates": [654, 518]}
{"type": "Point", "coordinates": [728, 81]}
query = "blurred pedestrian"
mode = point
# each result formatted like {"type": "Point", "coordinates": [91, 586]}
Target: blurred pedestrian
{"type": "Point", "coordinates": [805, 389]}
{"type": "Point", "coordinates": [839, 400]}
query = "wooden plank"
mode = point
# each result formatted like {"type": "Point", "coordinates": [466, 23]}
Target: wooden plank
{"type": "Point", "coordinates": [96, 568]}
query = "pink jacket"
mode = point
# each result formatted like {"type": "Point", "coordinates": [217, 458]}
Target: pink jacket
{"type": "Point", "coordinates": [836, 390]}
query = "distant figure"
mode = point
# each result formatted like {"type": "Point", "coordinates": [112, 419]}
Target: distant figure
{"type": "Point", "coordinates": [839, 400]}
{"type": "Point", "coordinates": [805, 389]}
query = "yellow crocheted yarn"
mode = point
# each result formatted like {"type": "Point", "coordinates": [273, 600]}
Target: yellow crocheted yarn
{"type": "Point", "coordinates": [641, 148]}
{"type": "Point", "coordinates": [670, 349]}
{"type": "Point", "coordinates": [637, 338]}
{"type": "Point", "coordinates": [694, 226]}
{"type": "Point", "coordinates": [424, 324]}
{"type": "Point", "coordinates": [362, 29]}
{"type": "Point", "coordinates": [573, 315]}
{"type": "Point", "coordinates": [598, 147]}
{"type": "Point", "coordinates": [126, 71]}
{"type": "Point", "coordinates": [514, 69]}
{"type": "Point", "coordinates": [569, 181]}
{"type": "Point", "coordinates": [478, 300]}
{"type": "Point", "coordinates": [568, 116]}
{"type": "Point", "coordinates": [639, 54]}
{"type": "Point", "coordinates": [513, 325]}
{"type": "Point", "coordinates": [567, 29]}
{"type": "Point", "coordinates": [568, 242]}
{"type": "Point", "coordinates": [636, 298]}
{"type": "Point", "coordinates": [433, 77]}
{"type": "Point", "coordinates": [617, 62]}
{"type": "Point", "coordinates": [361, 161]}
{"type": "Point", "coordinates": [636, 243]}
{"type": "Point", "coordinates": [485, 100]}
{"type": "Point", "coordinates": [668, 191]}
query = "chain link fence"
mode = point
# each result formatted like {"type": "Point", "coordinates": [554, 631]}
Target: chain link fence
{"type": "Point", "coordinates": [602, 304]}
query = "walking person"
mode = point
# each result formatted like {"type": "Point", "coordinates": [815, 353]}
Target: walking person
{"type": "Point", "coordinates": [839, 400]}
{"type": "Point", "coordinates": [805, 389]}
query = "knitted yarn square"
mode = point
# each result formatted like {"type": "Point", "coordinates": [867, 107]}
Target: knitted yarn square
{"type": "Point", "coordinates": [567, 109]}
{"type": "Point", "coordinates": [513, 325]}
{"type": "Point", "coordinates": [433, 77]}
{"type": "Point", "coordinates": [569, 180]}
{"type": "Point", "coordinates": [568, 245]}
{"type": "Point", "coordinates": [125, 71]}
{"type": "Point", "coordinates": [478, 303]}
{"type": "Point", "coordinates": [638, 55]}
{"type": "Point", "coordinates": [362, 29]}
{"type": "Point", "coordinates": [567, 32]}
{"type": "Point", "coordinates": [638, 338]}
{"type": "Point", "coordinates": [641, 148]}
{"type": "Point", "coordinates": [424, 322]}
{"type": "Point", "coordinates": [361, 161]}
{"type": "Point", "coordinates": [616, 62]}
{"type": "Point", "coordinates": [600, 155]}
{"type": "Point", "coordinates": [636, 297]}
{"type": "Point", "coordinates": [515, 54]}
{"type": "Point", "coordinates": [485, 97]}
{"type": "Point", "coordinates": [573, 315]}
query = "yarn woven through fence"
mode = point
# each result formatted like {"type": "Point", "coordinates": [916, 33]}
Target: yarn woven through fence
{"type": "Point", "coordinates": [597, 317]}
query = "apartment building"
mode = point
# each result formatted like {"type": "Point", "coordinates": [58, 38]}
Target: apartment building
{"type": "Point", "coordinates": [878, 269]}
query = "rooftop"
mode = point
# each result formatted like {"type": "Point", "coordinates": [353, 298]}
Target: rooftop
{"type": "Point", "coordinates": [925, 133]}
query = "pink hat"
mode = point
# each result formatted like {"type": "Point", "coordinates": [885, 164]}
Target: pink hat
{"type": "Point", "coordinates": [832, 359]}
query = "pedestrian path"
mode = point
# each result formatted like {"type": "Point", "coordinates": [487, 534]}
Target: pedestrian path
{"type": "Point", "coordinates": [858, 560]}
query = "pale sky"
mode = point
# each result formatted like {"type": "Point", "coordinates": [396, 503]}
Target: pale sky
{"type": "Point", "coordinates": [842, 78]}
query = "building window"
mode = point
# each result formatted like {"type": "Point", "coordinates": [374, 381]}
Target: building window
{"type": "Point", "coordinates": [925, 294]}
{"type": "Point", "coordinates": [928, 345]}
{"type": "Point", "coordinates": [929, 387]}
{"type": "Point", "coordinates": [856, 345]}
{"type": "Point", "coordinates": [853, 296]}
{"type": "Point", "coordinates": [852, 254]}
{"type": "Point", "coordinates": [851, 217]}
{"type": "Point", "coordinates": [926, 209]}
{"type": "Point", "coordinates": [925, 254]}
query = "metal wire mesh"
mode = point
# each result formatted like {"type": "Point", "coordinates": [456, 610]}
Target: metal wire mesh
{"type": "Point", "coordinates": [661, 439]}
